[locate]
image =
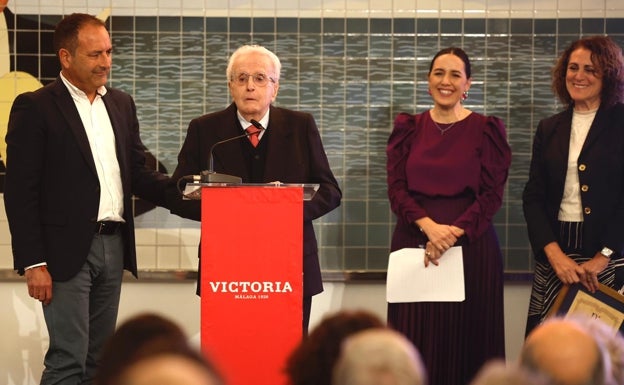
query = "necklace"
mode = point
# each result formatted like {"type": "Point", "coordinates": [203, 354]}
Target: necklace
{"type": "Point", "coordinates": [445, 129]}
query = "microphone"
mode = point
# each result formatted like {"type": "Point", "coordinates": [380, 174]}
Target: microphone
{"type": "Point", "coordinates": [210, 176]}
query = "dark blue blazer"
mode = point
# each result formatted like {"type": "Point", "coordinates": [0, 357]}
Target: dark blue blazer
{"type": "Point", "coordinates": [51, 188]}
{"type": "Point", "coordinates": [295, 155]}
{"type": "Point", "coordinates": [601, 176]}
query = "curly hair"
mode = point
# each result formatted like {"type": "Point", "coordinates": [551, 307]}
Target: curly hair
{"type": "Point", "coordinates": [606, 56]}
{"type": "Point", "coordinates": [312, 362]}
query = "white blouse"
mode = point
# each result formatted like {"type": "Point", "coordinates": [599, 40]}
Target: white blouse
{"type": "Point", "coordinates": [571, 209]}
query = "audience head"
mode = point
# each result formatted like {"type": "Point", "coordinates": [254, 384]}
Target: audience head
{"type": "Point", "coordinates": [612, 343]}
{"type": "Point", "coordinates": [379, 357]}
{"type": "Point", "coordinates": [608, 66]}
{"type": "Point", "coordinates": [563, 350]}
{"type": "Point", "coordinates": [312, 362]}
{"type": "Point", "coordinates": [149, 349]}
{"type": "Point", "coordinates": [497, 372]}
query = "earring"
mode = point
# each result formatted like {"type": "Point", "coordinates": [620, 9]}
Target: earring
{"type": "Point", "coordinates": [429, 91]}
{"type": "Point", "coordinates": [464, 95]}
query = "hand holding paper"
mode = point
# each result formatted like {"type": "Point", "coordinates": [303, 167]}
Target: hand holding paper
{"type": "Point", "coordinates": [409, 280]}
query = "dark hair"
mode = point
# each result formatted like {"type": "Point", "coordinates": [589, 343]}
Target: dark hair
{"type": "Point", "coordinates": [453, 51]}
{"type": "Point", "coordinates": [142, 337]}
{"type": "Point", "coordinates": [312, 362]}
{"type": "Point", "coordinates": [66, 31]}
{"type": "Point", "coordinates": [606, 55]}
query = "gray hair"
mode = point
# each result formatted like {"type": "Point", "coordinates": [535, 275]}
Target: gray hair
{"type": "Point", "coordinates": [498, 372]}
{"type": "Point", "coordinates": [379, 356]}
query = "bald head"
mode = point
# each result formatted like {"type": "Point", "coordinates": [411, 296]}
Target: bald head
{"type": "Point", "coordinates": [565, 352]}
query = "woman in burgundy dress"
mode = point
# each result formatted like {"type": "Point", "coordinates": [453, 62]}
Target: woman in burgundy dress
{"type": "Point", "coordinates": [447, 169]}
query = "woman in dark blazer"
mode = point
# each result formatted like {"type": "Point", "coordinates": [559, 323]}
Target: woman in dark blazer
{"type": "Point", "coordinates": [574, 199]}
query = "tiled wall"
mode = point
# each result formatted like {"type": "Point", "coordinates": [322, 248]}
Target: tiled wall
{"type": "Point", "coordinates": [354, 65]}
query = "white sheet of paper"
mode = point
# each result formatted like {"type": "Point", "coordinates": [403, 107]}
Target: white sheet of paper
{"type": "Point", "coordinates": [409, 281]}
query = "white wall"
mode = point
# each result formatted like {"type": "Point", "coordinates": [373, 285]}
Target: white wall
{"type": "Point", "coordinates": [24, 335]}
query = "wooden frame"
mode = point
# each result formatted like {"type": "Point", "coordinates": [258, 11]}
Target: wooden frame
{"type": "Point", "coordinates": [605, 304]}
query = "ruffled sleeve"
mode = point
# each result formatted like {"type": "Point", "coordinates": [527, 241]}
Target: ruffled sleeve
{"type": "Point", "coordinates": [495, 162]}
{"type": "Point", "coordinates": [405, 131]}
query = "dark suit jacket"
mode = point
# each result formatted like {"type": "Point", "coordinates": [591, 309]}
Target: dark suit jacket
{"type": "Point", "coordinates": [295, 155]}
{"type": "Point", "coordinates": [52, 189]}
{"type": "Point", "coordinates": [601, 176]}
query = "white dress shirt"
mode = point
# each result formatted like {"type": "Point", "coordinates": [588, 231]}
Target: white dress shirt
{"type": "Point", "coordinates": [99, 129]}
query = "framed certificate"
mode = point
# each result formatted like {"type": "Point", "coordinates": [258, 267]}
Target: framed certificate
{"type": "Point", "coordinates": [605, 304]}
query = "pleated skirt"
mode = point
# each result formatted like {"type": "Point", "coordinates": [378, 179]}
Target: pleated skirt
{"type": "Point", "coordinates": [455, 339]}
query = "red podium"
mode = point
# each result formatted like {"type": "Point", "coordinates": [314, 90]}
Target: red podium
{"type": "Point", "coordinates": [251, 279]}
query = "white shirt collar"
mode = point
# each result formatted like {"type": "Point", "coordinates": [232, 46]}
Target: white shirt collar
{"type": "Point", "coordinates": [77, 92]}
{"type": "Point", "coordinates": [264, 121]}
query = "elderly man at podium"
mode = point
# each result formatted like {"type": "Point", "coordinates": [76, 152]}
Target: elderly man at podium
{"type": "Point", "coordinates": [261, 143]}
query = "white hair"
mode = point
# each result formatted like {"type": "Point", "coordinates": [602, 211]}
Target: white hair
{"type": "Point", "coordinates": [246, 49]}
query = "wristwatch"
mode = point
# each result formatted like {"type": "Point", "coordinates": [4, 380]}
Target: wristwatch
{"type": "Point", "coordinates": [606, 252]}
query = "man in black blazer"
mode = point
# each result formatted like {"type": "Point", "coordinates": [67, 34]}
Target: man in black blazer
{"type": "Point", "coordinates": [74, 159]}
{"type": "Point", "coordinates": [288, 151]}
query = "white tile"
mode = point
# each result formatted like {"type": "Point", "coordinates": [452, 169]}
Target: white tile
{"type": "Point", "coordinates": [145, 236]}
{"type": "Point", "coordinates": [5, 235]}
{"type": "Point", "coordinates": [2, 211]}
{"type": "Point", "coordinates": [595, 5]}
{"type": "Point", "coordinates": [167, 257]}
{"type": "Point", "coordinates": [188, 258]}
{"type": "Point", "coordinates": [550, 5]}
{"type": "Point", "coordinates": [310, 5]}
{"type": "Point", "coordinates": [499, 14]}
{"type": "Point", "coordinates": [593, 13]}
{"type": "Point", "coordinates": [380, 5]}
{"type": "Point", "coordinates": [334, 13]}
{"type": "Point", "coordinates": [453, 5]}
{"type": "Point", "coordinates": [190, 237]}
{"type": "Point", "coordinates": [525, 5]}
{"type": "Point", "coordinates": [6, 257]}
{"type": "Point", "coordinates": [283, 5]}
{"type": "Point", "coordinates": [569, 5]}
{"type": "Point", "coordinates": [414, 4]}
{"type": "Point", "coordinates": [497, 5]}
{"type": "Point", "coordinates": [216, 4]}
{"type": "Point", "coordinates": [545, 13]}
{"type": "Point", "coordinates": [522, 13]}
{"type": "Point", "coordinates": [146, 257]}
{"type": "Point", "coordinates": [264, 5]}
{"type": "Point", "coordinates": [168, 237]}
{"type": "Point", "coordinates": [190, 5]}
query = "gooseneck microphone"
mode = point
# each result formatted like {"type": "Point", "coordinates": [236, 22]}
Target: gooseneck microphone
{"type": "Point", "coordinates": [209, 175]}
{"type": "Point", "coordinates": [257, 125]}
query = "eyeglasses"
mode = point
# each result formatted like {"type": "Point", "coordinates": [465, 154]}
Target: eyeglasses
{"type": "Point", "coordinates": [259, 79]}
